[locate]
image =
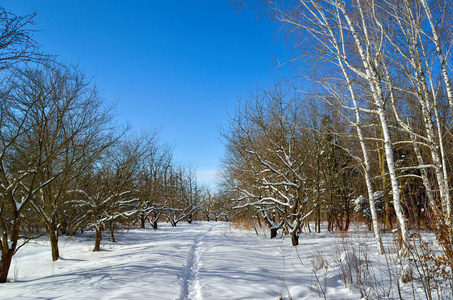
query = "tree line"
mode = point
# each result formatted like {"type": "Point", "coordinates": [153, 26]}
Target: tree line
{"type": "Point", "coordinates": [365, 130]}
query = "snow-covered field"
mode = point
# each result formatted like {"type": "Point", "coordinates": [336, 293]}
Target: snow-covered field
{"type": "Point", "coordinates": [193, 261]}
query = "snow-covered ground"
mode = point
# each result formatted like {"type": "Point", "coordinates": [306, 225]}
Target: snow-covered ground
{"type": "Point", "coordinates": [193, 261]}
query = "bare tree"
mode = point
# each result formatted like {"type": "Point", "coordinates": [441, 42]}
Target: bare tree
{"type": "Point", "coordinates": [343, 35]}
{"type": "Point", "coordinates": [20, 165]}
{"type": "Point", "coordinates": [16, 40]}
{"type": "Point", "coordinates": [410, 47]}
{"type": "Point", "coordinates": [150, 182]}
{"type": "Point", "coordinates": [67, 128]}
{"type": "Point", "coordinates": [268, 151]}
{"type": "Point", "coordinates": [16, 46]}
{"type": "Point", "coordinates": [108, 192]}
{"type": "Point", "coordinates": [216, 206]}
{"type": "Point", "coordinates": [182, 195]}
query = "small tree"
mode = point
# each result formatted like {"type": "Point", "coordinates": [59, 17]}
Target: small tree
{"type": "Point", "coordinates": [182, 195]}
{"type": "Point", "coordinates": [107, 191]}
{"type": "Point", "coordinates": [67, 128]}
{"type": "Point", "coordinates": [16, 46]}
{"type": "Point", "coordinates": [267, 160]}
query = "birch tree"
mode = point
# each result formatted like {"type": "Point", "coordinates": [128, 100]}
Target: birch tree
{"type": "Point", "coordinates": [344, 37]}
{"type": "Point", "coordinates": [412, 46]}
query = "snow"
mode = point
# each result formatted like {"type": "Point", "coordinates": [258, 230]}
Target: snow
{"type": "Point", "coordinates": [203, 260]}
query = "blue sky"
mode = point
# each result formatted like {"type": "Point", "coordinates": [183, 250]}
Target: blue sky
{"type": "Point", "coordinates": [176, 65]}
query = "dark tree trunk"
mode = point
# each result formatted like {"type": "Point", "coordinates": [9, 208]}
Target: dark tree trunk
{"type": "Point", "coordinates": [329, 223]}
{"type": "Point", "coordinates": [348, 223]}
{"type": "Point", "coordinates": [154, 225]}
{"type": "Point", "coordinates": [112, 231]}
{"type": "Point", "coordinates": [295, 238]}
{"type": "Point", "coordinates": [142, 222]}
{"type": "Point", "coordinates": [97, 242]}
{"type": "Point", "coordinates": [53, 236]}
{"type": "Point", "coordinates": [5, 264]}
{"type": "Point", "coordinates": [8, 250]}
{"type": "Point", "coordinates": [318, 217]}
{"type": "Point", "coordinates": [348, 215]}
{"type": "Point", "coordinates": [339, 222]}
{"type": "Point", "coordinates": [112, 235]}
{"type": "Point", "coordinates": [64, 227]}
{"type": "Point", "coordinates": [273, 232]}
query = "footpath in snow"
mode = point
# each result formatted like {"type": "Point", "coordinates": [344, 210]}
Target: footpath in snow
{"type": "Point", "coordinates": [193, 261]}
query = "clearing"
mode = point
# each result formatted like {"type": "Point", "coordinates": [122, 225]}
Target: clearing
{"type": "Point", "coordinates": [203, 260]}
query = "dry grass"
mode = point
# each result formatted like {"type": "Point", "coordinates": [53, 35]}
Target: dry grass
{"type": "Point", "coordinates": [244, 222]}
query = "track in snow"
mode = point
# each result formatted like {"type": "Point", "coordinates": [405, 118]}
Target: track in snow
{"type": "Point", "coordinates": [190, 287]}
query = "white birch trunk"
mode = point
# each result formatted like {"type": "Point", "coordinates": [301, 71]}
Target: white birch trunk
{"type": "Point", "coordinates": [415, 145]}
{"type": "Point", "coordinates": [376, 89]}
{"type": "Point", "coordinates": [367, 169]}
{"type": "Point", "coordinates": [435, 141]}
{"type": "Point", "coordinates": [366, 160]}
{"type": "Point", "coordinates": [440, 53]}
{"type": "Point", "coordinates": [317, 12]}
